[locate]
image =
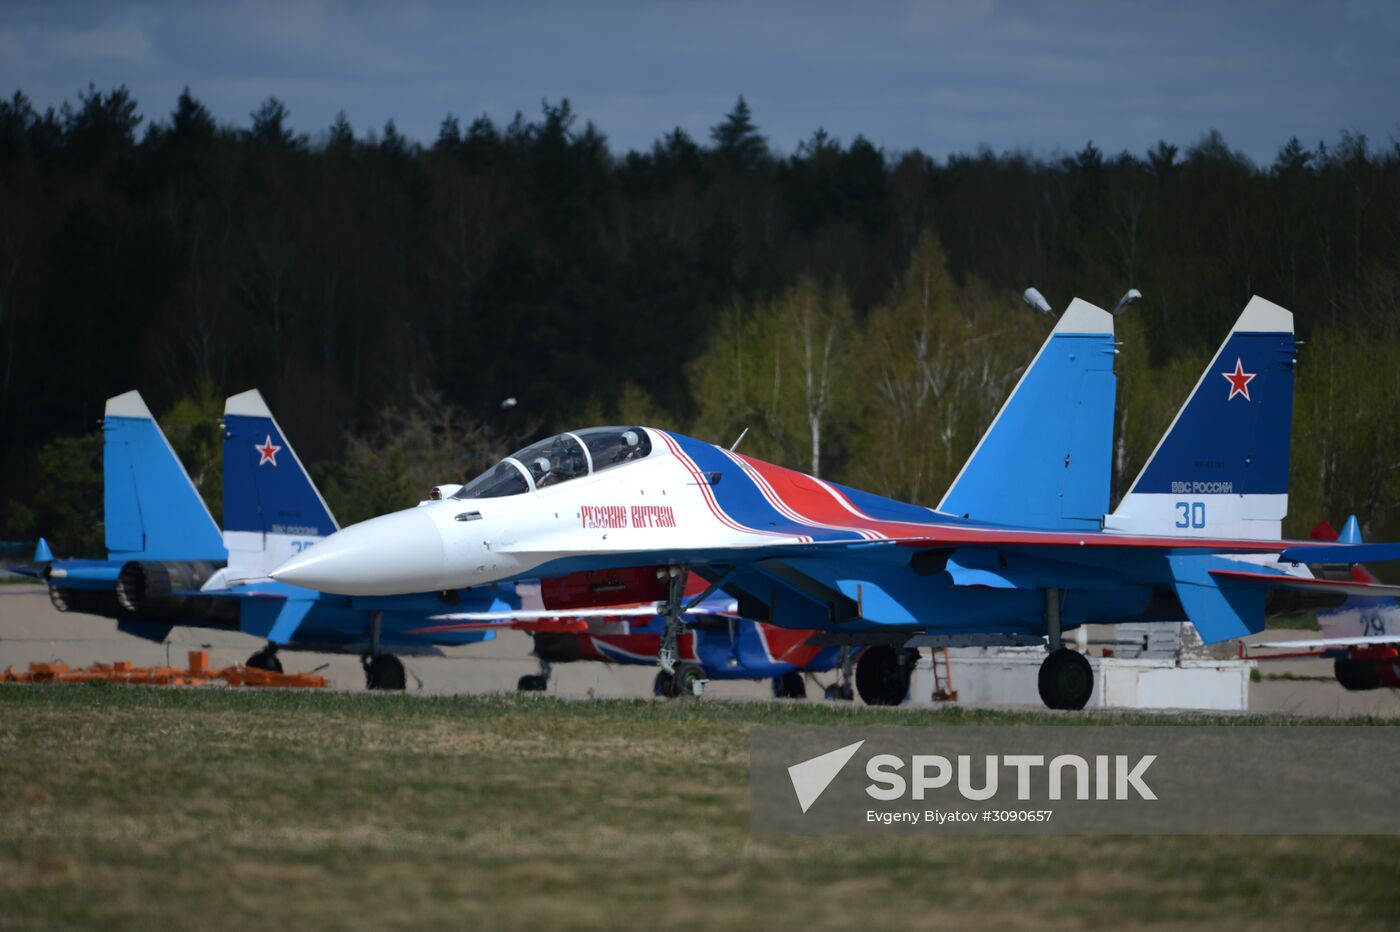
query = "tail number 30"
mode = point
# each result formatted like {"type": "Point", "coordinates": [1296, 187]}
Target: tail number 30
{"type": "Point", "coordinates": [1191, 514]}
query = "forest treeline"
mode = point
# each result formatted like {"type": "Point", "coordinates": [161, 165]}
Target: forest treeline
{"type": "Point", "coordinates": [856, 309]}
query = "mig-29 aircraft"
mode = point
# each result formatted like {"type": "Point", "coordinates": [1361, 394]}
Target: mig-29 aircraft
{"type": "Point", "coordinates": [1019, 550]}
{"type": "Point", "coordinates": [1362, 635]}
{"type": "Point", "coordinates": [581, 618]}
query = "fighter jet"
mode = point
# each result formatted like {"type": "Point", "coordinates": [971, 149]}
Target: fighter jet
{"type": "Point", "coordinates": [1361, 636]}
{"type": "Point", "coordinates": [153, 517]}
{"type": "Point", "coordinates": [581, 618]}
{"type": "Point", "coordinates": [169, 565]}
{"type": "Point", "coordinates": [1019, 550]}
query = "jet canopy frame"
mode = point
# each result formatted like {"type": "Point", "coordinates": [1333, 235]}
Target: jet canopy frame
{"type": "Point", "coordinates": [560, 458]}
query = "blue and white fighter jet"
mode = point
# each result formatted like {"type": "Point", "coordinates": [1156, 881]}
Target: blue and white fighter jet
{"type": "Point", "coordinates": [1018, 551]}
{"type": "Point", "coordinates": [169, 565]}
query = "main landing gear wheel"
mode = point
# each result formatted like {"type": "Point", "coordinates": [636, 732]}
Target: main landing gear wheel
{"type": "Point", "coordinates": [1066, 679]}
{"type": "Point", "coordinates": [1357, 675]}
{"type": "Point", "coordinates": [663, 687]}
{"type": "Point", "coordinates": [688, 680]}
{"type": "Point", "coordinates": [536, 682]}
{"type": "Point", "coordinates": [384, 671]}
{"type": "Point", "coordinates": [789, 686]}
{"type": "Point", "coordinates": [883, 673]}
{"type": "Point", "coordinates": [265, 659]}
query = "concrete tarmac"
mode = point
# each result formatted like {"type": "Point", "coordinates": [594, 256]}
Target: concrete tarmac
{"type": "Point", "coordinates": [32, 630]}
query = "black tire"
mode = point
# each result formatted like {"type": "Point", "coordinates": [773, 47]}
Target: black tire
{"type": "Point", "coordinates": [1357, 675]}
{"type": "Point", "coordinates": [662, 686]}
{"type": "Point", "coordinates": [532, 683]}
{"type": "Point", "coordinates": [789, 686]}
{"type": "Point", "coordinates": [684, 680]}
{"type": "Point", "coordinates": [265, 659]}
{"type": "Point", "coordinates": [385, 671]}
{"type": "Point", "coordinates": [882, 674]}
{"type": "Point", "coordinates": [1066, 680]}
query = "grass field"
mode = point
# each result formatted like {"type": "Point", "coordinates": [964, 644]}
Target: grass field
{"type": "Point", "coordinates": [141, 808]}
{"type": "Point", "coordinates": [1301, 621]}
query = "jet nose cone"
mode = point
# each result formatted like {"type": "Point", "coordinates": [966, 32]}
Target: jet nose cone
{"type": "Point", "coordinates": [393, 554]}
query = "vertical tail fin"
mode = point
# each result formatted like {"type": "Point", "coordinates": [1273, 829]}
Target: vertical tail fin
{"type": "Point", "coordinates": [151, 509]}
{"type": "Point", "coordinates": [272, 509]}
{"type": "Point", "coordinates": [1044, 461]}
{"type": "Point", "coordinates": [1221, 469]}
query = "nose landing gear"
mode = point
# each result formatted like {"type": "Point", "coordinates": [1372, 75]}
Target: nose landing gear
{"type": "Point", "coordinates": [382, 671]}
{"type": "Point", "coordinates": [687, 679]}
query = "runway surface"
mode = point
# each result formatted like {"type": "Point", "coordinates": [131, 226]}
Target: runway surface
{"type": "Point", "coordinates": [32, 630]}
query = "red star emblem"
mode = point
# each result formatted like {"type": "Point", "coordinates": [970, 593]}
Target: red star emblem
{"type": "Point", "coordinates": [1239, 380]}
{"type": "Point", "coordinates": [267, 450]}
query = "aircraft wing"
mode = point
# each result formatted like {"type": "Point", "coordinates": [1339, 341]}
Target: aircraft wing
{"type": "Point", "coordinates": [1289, 551]}
{"type": "Point", "coordinates": [554, 620]}
{"type": "Point", "coordinates": [1301, 584]}
{"type": "Point", "coordinates": [636, 611]}
{"type": "Point", "coordinates": [1331, 643]}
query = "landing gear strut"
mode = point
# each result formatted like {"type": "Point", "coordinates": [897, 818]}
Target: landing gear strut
{"type": "Point", "coordinates": [1066, 680]}
{"type": "Point", "coordinates": [266, 659]}
{"type": "Point", "coordinates": [382, 671]}
{"type": "Point", "coordinates": [535, 682]}
{"type": "Point", "coordinates": [687, 679]}
{"type": "Point", "coordinates": [842, 690]}
{"type": "Point", "coordinates": [883, 674]}
{"type": "Point", "coordinates": [675, 619]}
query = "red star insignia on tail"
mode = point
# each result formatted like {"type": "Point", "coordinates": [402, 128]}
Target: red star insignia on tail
{"type": "Point", "coordinates": [1239, 380]}
{"type": "Point", "coordinates": [267, 450]}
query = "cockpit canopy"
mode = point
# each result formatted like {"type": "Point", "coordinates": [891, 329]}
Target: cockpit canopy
{"type": "Point", "coordinates": [558, 459]}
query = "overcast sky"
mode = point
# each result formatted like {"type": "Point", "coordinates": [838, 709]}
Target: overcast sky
{"type": "Point", "coordinates": [943, 77]}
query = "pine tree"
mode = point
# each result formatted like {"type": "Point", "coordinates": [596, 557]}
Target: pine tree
{"type": "Point", "coordinates": [737, 138]}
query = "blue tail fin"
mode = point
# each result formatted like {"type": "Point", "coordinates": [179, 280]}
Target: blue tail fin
{"type": "Point", "coordinates": [1045, 460]}
{"type": "Point", "coordinates": [1221, 470]}
{"type": "Point", "coordinates": [152, 510]}
{"type": "Point", "coordinates": [272, 509]}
